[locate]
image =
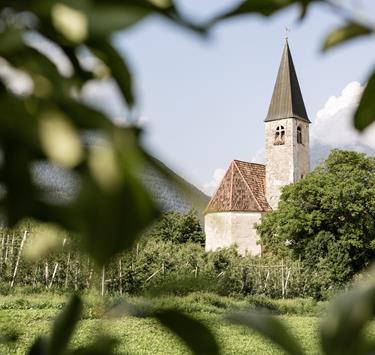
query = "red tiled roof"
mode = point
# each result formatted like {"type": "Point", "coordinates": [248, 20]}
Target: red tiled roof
{"type": "Point", "coordinates": [242, 189]}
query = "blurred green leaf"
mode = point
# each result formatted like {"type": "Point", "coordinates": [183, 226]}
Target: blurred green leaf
{"type": "Point", "coordinates": [137, 9]}
{"type": "Point", "coordinates": [365, 114]}
{"type": "Point", "coordinates": [269, 327]}
{"type": "Point", "coordinates": [118, 66]}
{"type": "Point", "coordinates": [64, 326]}
{"type": "Point", "coordinates": [11, 41]}
{"type": "Point", "coordinates": [194, 333]}
{"type": "Point", "coordinates": [101, 346]}
{"type": "Point", "coordinates": [344, 34]}
{"type": "Point", "coordinates": [39, 347]}
{"type": "Point", "coordinates": [342, 327]}
{"type": "Point", "coordinates": [121, 16]}
{"type": "Point", "coordinates": [265, 8]}
{"type": "Point", "coordinates": [19, 193]}
{"type": "Point", "coordinates": [122, 207]}
{"type": "Point", "coordinates": [84, 117]}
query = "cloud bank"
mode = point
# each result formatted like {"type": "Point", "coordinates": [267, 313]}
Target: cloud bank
{"type": "Point", "coordinates": [333, 123]}
{"type": "Point", "coordinates": [331, 128]}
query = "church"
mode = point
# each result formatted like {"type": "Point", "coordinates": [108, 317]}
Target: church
{"type": "Point", "coordinates": [248, 190]}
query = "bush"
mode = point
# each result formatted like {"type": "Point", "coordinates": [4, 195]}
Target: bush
{"type": "Point", "coordinates": [178, 228]}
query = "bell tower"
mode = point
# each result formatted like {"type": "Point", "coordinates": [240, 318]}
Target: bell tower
{"type": "Point", "coordinates": [286, 132]}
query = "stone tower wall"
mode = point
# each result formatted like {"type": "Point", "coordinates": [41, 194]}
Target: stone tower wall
{"type": "Point", "coordinates": [301, 151]}
{"type": "Point", "coordinates": [287, 161]}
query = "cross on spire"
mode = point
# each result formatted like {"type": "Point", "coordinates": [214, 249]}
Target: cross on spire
{"type": "Point", "coordinates": [287, 30]}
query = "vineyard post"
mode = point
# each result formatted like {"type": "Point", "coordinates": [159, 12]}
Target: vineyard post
{"type": "Point", "coordinates": [2, 253]}
{"type": "Point", "coordinates": [90, 268]}
{"type": "Point", "coordinates": [6, 250]}
{"type": "Point", "coordinates": [282, 279]}
{"type": "Point", "coordinates": [12, 247]}
{"type": "Point", "coordinates": [103, 281]}
{"type": "Point", "coordinates": [46, 273]}
{"type": "Point", "coordinates": [76, 272]}
{"type": "Point", "coordinates": [267, 277]}
{"type": "Point", "coordinates": [287, 279]}
{"type": "Point", "coordinates": [120, 276]}
{"type": "Point", "coordinates": [67, 270]}
{"type": "Point", "coordinates": [18, 258]}
{"type": "Point", "coordinates": [259, 284]}
{"type": "Point", "coordinates": [56, 266]}
{"type": "Point", "coordinates": [35, 279]}
{"type": "Point", "coordinates": [90, 278]}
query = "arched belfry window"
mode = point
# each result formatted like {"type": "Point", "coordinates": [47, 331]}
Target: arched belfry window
{"type": "Point", "coordinates": [299, 135]}
{"type": "Point", "coordinates": [279, 135]}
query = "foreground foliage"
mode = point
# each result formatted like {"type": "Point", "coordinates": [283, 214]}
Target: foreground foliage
{"type": "Point", "coordinates": [49, 125]}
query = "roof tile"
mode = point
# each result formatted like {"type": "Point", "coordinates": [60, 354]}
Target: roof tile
{"type": "Point", "coordinates": [242, 189]}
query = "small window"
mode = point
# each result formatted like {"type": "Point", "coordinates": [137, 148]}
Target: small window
{"type": "Point", "coordinates": [279, 135]}
{"type": "Point", "coordinates": [299, 135]}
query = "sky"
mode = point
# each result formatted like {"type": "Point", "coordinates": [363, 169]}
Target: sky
{"type": "Point", "coordinates": [203, 101]}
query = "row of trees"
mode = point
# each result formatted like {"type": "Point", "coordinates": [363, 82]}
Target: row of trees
{"type": "Point", "coordinates": [170, 255]}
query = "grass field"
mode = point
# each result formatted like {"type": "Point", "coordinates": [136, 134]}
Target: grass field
{"type": "Point", "coordinates": [31, 315]}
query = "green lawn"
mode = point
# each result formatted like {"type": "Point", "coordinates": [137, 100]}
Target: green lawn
{"type": "Point", "coordinates": [32, 316]}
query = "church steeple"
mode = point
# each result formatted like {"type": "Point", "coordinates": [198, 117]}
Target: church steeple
{"type": "Point", "coordinates": [286, 132]}
{"type": "Point", "coordinates": [287, 101]}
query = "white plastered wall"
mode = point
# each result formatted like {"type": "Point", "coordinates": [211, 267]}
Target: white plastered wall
{"type": "Point", "coordinates": [224, 229]}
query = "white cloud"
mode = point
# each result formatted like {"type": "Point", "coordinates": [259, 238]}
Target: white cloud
{"type": "Point", "coordinates": [333, 126]}
{"type": "Point", "coordinates": [210, 187]}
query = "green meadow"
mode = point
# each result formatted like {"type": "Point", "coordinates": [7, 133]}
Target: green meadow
{"type": "Point", "coordinates": [31, 315]}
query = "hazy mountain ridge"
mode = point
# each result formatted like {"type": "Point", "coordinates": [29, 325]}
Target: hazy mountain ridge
{"type": "Point", "coordinates": [179, 196]}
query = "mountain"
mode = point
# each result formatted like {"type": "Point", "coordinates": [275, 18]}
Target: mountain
{"type": "Point", "coordinates": [175, 193]}
{"type": "Point", "coordinates": [319, 152]}
{"type": "Point", "coordinates": [171, 194]}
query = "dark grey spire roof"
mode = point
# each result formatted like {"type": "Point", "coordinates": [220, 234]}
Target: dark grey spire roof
{"type": "Point", "coordinates": [287, 99]}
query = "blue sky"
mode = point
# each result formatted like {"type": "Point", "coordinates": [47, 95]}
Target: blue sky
{"type": "Point", "coordinates": [205, 100]}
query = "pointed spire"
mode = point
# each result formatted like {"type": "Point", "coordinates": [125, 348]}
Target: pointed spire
{"type": "Point", "coordinates": [287, 101]}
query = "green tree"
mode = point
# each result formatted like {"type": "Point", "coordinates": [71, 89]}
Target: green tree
{"type": "Point", "coordinates": [328, 218]}
{"type": "Point", "coordinates": [179, 228]}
